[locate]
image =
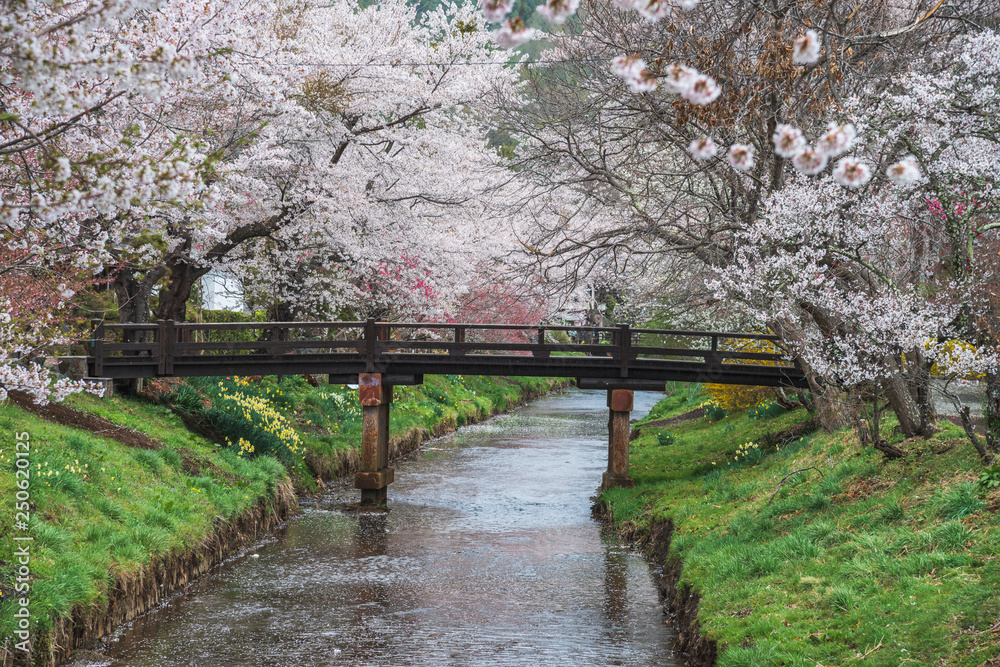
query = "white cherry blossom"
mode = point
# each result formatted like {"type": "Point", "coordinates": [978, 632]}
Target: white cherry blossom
{"type": "Point", "coordinates": [496, 11]}
{"type": "Point", "coordinates": [805, 48]}
{"type": "Point", "coordinates": [838, 139]}
{"type": "Point", "coordinates": [703, 90]}
{"type": "Point", "coordinates": [703, 148]}
{"type": "Point", "coordinates": [810, 161]}
{"type": "Point", "coordinates": [628, 66]}
{"type": "Point", "coordinates": [644, 83]}
{"type": "Point", "coordinates": [904, 172]}
{"type": "Point", "coordinates": [852, 172]}
{"type": "Point", "coordinates": [678, 78]}
{"type": "Point", "coordinates": [788, 141]}
{"type": "Point", "coordinates": [513, 33]}
{"type": "Point", "coordinates": [557, 11]}
{"type": "Point", "coordinates": [652, 10]}
{"type": "Point", "coordinates": [740, 157]}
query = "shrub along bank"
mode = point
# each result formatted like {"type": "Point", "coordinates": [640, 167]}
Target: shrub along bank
{"type": "Point", "coordinates": [854, 559]}
{"type": "Point", "coordinates": [129, 498]}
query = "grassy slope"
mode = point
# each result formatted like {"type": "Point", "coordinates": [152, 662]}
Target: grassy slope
{"type": "Point", "coordinates": [101, 508]}
{"type": "Point", "coordinates": [896, 560]}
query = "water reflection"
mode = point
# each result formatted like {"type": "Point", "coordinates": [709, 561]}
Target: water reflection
{"type": "Point", "coordinates": [488, 556]}
{"type": "Point", "coordinates": [616, 585]}
{"type": "Point", "coordinates": [371, 535]}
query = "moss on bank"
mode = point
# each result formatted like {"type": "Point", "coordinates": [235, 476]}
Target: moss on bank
{"type": "Point", "coordinates": [857, 560]}
{"type": "Point", "coordinates": [110, 519]}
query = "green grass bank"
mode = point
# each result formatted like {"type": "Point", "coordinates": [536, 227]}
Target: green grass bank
{"type": "Point", "coordinates": [857, 560]}
{"type": "Point", "coordinates": [129, 498]}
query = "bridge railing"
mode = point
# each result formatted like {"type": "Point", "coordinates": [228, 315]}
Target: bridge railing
{"type": "Point", "coordinates": [166, 342]}
{"type": "Point", "coordinates": [721, 346]}
{"type": "Point", "coordinates": [461, 339]}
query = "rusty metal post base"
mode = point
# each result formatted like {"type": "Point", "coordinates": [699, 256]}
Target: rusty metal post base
{"type": "Point", "coordinates": [619, 408]}
{"type": "Point", "coordinates": [375, 474]}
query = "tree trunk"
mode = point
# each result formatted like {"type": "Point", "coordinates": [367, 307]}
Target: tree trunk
{"type": "Point", "coordinates": [992, 410]}
{"type": "Point", "coordinates": [133, 294]}
{"type": "Point", "coordinates": [970, 432]}
{"type": "Point", "coordinates": [925, 400]}
{"type": "Point", "coordinates": [277, 312]}
{"type": "Point", "coordinates": [920, 386]}
{"type": "Point", "coordinates": [280, 312]}
{"type": "Point", "coordinates": [902, 403]}
{"type": "Point", "coordinates": [833, 411]}
{"type": "Point", "coordinates": [174, 297]}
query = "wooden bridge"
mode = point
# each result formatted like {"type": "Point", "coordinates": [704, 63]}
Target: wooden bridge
{"type": "Point", "coordinates": [378, 355]}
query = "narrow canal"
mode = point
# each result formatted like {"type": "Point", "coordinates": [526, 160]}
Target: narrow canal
{"type": "Point", "coordinates": [488, 556]}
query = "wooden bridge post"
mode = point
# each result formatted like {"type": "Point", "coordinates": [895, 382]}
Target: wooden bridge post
{"type": "Point", "coordinates": [97, 346]}
{"type": "Point", "coordinates": [375, 474]}
{"type": "Point", "coordinates": [619, 408]}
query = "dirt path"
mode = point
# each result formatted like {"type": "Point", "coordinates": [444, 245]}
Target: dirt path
{"type": "Point", "coordinates": [67, 416]}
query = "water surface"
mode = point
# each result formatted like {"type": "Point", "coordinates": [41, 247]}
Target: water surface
{"type": "Point", "coordinates": [489, 556]}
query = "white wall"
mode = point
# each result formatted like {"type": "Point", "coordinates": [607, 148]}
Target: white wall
{"type": "Point", "coordinates": [221, 291]}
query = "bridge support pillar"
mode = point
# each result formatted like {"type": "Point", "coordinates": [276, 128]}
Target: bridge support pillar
{"type": "Point", "coordinates": [619, 408]}
{"type": "Point", "coordinates": [375, 474]}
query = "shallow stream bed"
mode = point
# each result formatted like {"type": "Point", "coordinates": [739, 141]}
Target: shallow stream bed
{"type": "Point", "coordinates": [488, 556]}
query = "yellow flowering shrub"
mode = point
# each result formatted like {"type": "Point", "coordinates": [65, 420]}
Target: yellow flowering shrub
{"type": "Point", "coordinates": [954, 355]}
{"type": "Point", "coordinates": [735, 398]}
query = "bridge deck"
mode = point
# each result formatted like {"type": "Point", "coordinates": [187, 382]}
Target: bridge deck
{"type": "Point", "coordinates": [604, 357]}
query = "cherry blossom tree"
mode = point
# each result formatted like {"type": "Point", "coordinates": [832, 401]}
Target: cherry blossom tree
{"type": "Point", "coordinates": [154, 141]}
{"type": "Point", "coordinates": [831, 271]}
{"type": "Point", "coordinates": [942, 118]}
{"type": "Point", "coordinates": [893, 266]}
{"type": "Point", "coordinates": [354, 170]}
{"type": "Point", "coordinates": [77, 168]}
{"type": "Point", "coordinates": [655, 161]}
{"type": "Point", "coordinates": [32, 320]}
{"type": "Point", "coordinates": [314, 150]}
